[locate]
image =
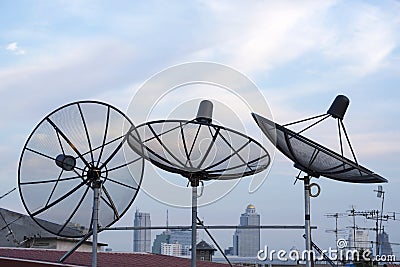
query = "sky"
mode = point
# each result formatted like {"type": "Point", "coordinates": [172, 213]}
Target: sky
{"type": "Point", "coordinates": [299, 54]}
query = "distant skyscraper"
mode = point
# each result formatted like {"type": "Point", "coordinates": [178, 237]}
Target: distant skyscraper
{"type": "Point", "coordinates": [385, 247]}
{"type": "Point", "coordinates": [164, 237]}
{"type": "Point", "coordinates": [361, 242]}
{"type": "Point", "coordinates": [142, 238]}
{"type": "Point", "coordinates": [182, 237]}
{"type": "Point", "coordinates": [246, 242]}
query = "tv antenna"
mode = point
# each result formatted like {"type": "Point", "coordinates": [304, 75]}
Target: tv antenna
{"type": "Point", "coordinates": [337, 231]}
{"type": "Point", "coordinates": [380, 194]}
{"type": "Point", "coordinates": [316, 160]}
{"type": "Point", "coordinates": [76, 161]}
{"type": "Point", "coordinates": [199, 151]}
{"type": "Point", "coordinates": [376, 216]}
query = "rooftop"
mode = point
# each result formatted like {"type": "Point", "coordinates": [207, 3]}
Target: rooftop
{"type": "Point", "coordinates": [105, 259]}
{"type": "Point", "coordinates": [203, 245]}
{"type": "Point", "coordinates": [15, 228]}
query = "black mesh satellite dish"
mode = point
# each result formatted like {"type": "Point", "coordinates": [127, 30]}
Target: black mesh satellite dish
{"type": "Point", "coordinates": [314, 159]}
{"type": "Point", "coordinates": [76, 171]}
{"type": "Point", "coordinates": [199, 150]}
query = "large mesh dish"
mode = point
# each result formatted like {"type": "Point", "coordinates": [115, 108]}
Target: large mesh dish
{"type": "Point", "coordinates": [313, 158]}
{"type": "Point", "coordinates": [203, 150]}
{"type": "Point", "coordinates": [61, 157]}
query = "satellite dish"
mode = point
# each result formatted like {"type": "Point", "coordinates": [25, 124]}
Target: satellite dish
{"type": "Point", "coordinates": [75, 172]}
{"type": "Point", "coordinates": [199, 150]}
{"type": "Point", "coordinates": [314, 159]}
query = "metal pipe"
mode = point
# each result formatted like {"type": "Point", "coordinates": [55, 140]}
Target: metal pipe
{"type": "Point", "coordinates": [307, 224]}
{"type": "Point", "coordinates": [377, 236]}
{"type": "Point", "coordinates": [383, 200]}
{"type": "Point", "coordinates": [214, 227]}
{"type": "Point", "coordinates": [215, 242]}
{"type": "Point", "coordinates": [194, 226]}
{"type": "Point", "coordinates": [96, 197]}
{"type": "Point", "coordinates": [77, 245]}
{"type": "Point", "coordinates": [9, 192]}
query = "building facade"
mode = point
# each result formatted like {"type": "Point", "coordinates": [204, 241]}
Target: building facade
{"type": "Point", "coordinates": [182, 237]}
{"type": "Point", "coordinates": [171, 249]}
{"type": "Point", "coordinates": [361, 240]}
{"type": "Point", "coordinates": [246, 242]}
{"type": "Point", "coordinates": [142, 238]}
{"type": "Point", "coordinates": [204, 251]}
{"type": "Point", "coordinates": [164, 237]}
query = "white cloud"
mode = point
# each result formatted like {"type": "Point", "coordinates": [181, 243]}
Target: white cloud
{"type": "Point", "coordinates": [363, 40]}
{"type": "Point", "coordinates": [265, 34]}
{"type": "Point", "coordinates": [355, 39]}
{"type": "Point", "coordinates": [13, 47]}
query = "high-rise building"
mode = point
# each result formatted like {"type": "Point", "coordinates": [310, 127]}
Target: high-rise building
{"type": "Point", "coordinates": [385, 248]}
{"type": "Point", "coordinates": [171, 249]}
{"type": "Point", "coordinates": [142, 238]}
{"type": "Point", "coordinates": [164, 237]}
{"type": "Point", "coordinates": [182, 237]}
{"type": "Point", "coordinates": [361, 241]}
{"type": "Point", "coordinates": [246, 242]}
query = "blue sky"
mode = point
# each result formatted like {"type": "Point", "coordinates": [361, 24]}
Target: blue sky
{"type": "Point", "coordinates": [301, 54]}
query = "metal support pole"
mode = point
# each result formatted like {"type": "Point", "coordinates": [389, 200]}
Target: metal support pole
{"type": "Point", "coordinates": [336, 237]}
{"type": "Point", "coordinates": [354, 228]}
{"type": "Point", "coordinates": [215, 242]}
{"type": "Point", "coordinates": [77, 245]}
{"type": "Point", "coordinates": [96, 197]}
{"type": "Point", "coordinates": [376, 236]}
{"type": "Point", "coordinates": [209, 227]}
{"type": "Point", "coordinates": [381, 219]}
{"type": "Point", "coordinates": [194, 225]}
{"type": "Point", "coordinates": [307, 224]}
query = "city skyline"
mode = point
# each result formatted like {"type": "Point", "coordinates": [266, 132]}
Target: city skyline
{"type": "Point", "coordinates": [365, 238]}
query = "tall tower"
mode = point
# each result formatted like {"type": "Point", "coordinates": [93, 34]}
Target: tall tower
{"type": "Point", "coordinates": [246, 242]}
{"type": "Point", "coordinates": [142, 238]}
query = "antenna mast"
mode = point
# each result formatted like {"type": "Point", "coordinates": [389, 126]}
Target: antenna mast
{"type": "Point", "coordinates": [167, 219]}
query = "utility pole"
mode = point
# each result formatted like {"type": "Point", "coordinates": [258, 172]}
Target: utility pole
{"type": "Point", "coordinates": [336, 216]}
{"type": "Point", "coordinates": [352, 213]}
